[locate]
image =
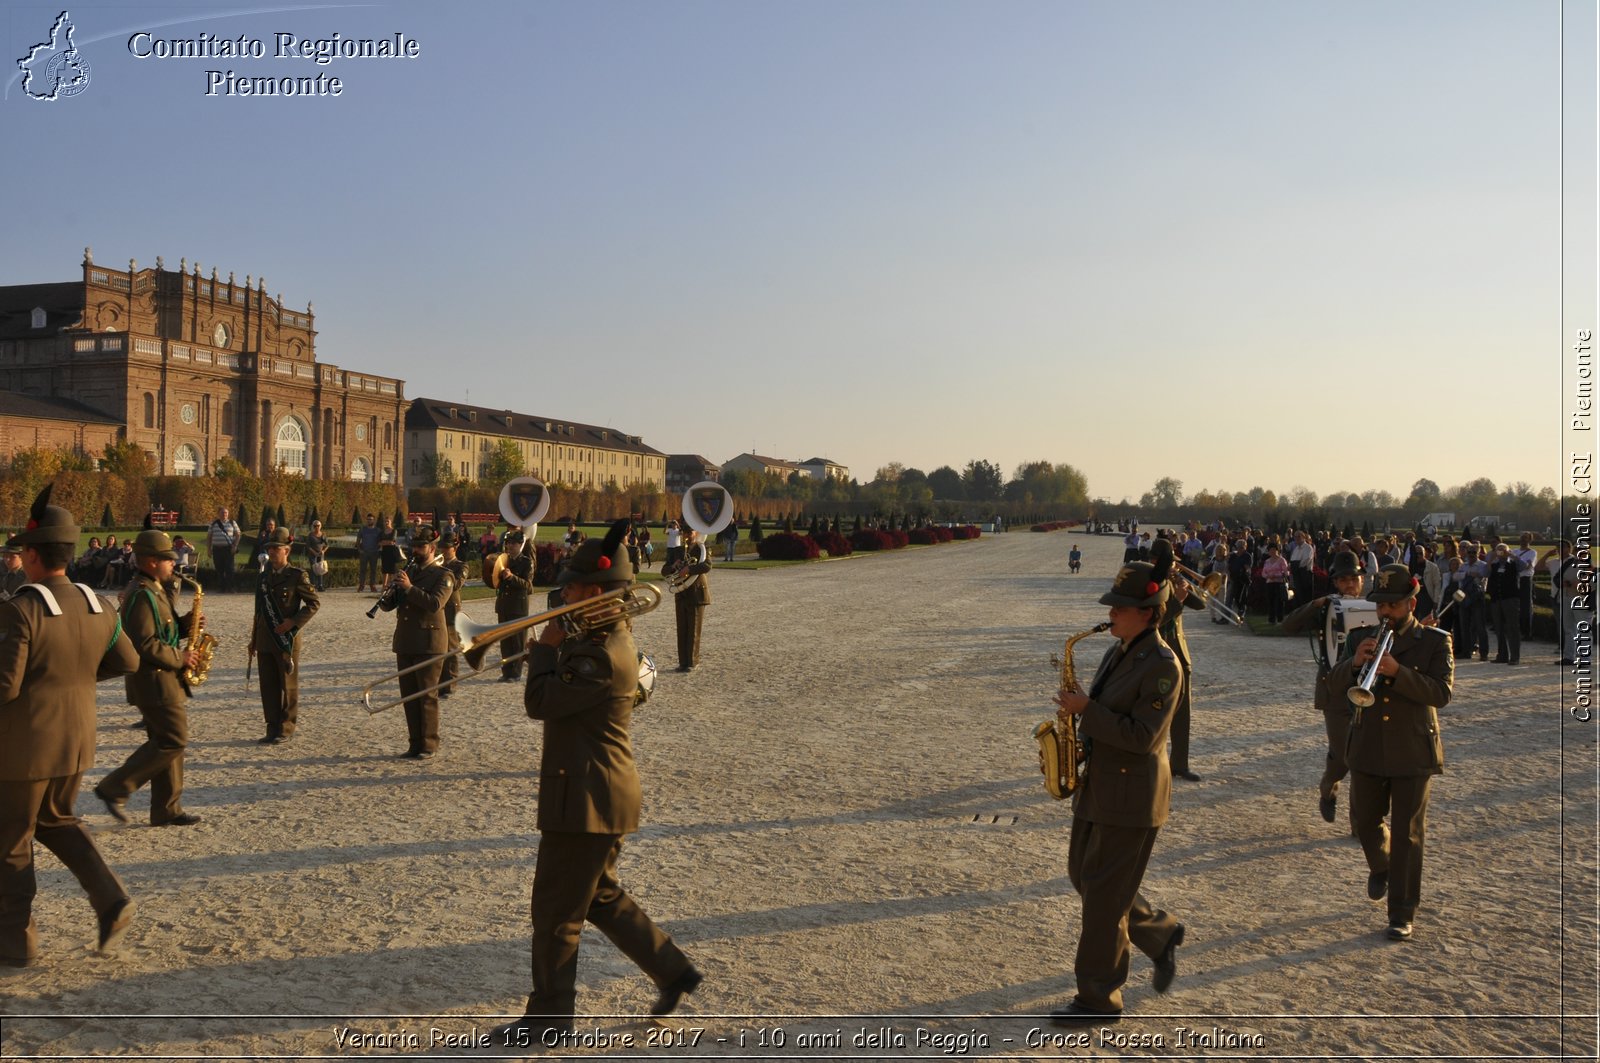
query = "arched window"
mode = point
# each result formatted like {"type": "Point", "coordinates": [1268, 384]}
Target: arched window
{"type": "Point", "coordinates": [290, 452]}
{"type": "Point", "coordinates": [186, 460]}
{"type": "Point", "coordinates": [360, 471]}
{"type": "Point", "coordinates": [149, 410]}
{"type": "Point", "coordinates": [388, 435]}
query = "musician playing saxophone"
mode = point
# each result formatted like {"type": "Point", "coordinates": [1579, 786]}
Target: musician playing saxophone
{"type": "Point", "coordinates": [150, 619]}
{"type": "Point", "coordinates": [423, 589]}
{"type": "Point", "coordinates": [285, 603]}
{"type": "Point", "coordinates": [1394, 748]}
{"type": "Point", "coordinates": [1123, 798]}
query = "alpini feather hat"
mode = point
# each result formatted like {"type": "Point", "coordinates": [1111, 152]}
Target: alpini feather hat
{"type": "Point", "coordinates": [603, 561]}
{"type": "Point", "coordinates": [47, 523]}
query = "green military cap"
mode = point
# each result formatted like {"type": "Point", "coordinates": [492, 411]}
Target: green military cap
{"type": "Point", "coordinates": [600, 561]}
{"type": "Point", "coordinates": [425, 534]}
{"type": "Point", "coordinates": [154, 543]}
{"type": "Point", "coordinates": [1395, 583]}
{"type": "Point", "coordinates": [11, 546]}
{"type": "Point", "coordinates": [1137, 585]}
{"type": "Point", "coordinates": [1343, 565]}
{"type": "Point", "coordinates": [447, 539]}
{"type": "Point", "coordinates": [280, 537]}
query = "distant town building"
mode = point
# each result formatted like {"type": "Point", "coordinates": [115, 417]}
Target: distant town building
{"type": "Point", "coordinates": [825, 469]}
{"type": "Point", "coordinates": [30, 422]}
{"type": "Point", "coordinates": [194, 368]}
{"type": "Point", "coordinates": [556, 451]}
{"type": "Point", "coordinates": [760, 463]}
{"type": "Point", "coordinates": [686, 470]}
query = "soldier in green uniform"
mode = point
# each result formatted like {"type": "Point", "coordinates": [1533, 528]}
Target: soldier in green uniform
{"type": "Point", "coordinates": [582, 687]}
{"type": "Point", "coordinates": [1345, 575]}
{"type": "Point", "coordinates": [56, 640]}
{"type": "Point", "coordinates": [1394, 749]}
{"type": "Point", "coordinates": [14, 575]}
{"type": "Point", "coordinates": [1122, 799]}
{"type": "Point", "coordinates": [150, 617]}
{"type": "Point", "coordinates": [511, 593]}
{"type": "Point", "coordinates": [1171, 629]}
{"type": "Point", "coordinates": [422, 590]}
{"type": "Point", "coordinates": [285, 603]}
{"type": "Point", "coordinates": [452, 608]}
{"type": "Point", "coordinates": [690, 603]}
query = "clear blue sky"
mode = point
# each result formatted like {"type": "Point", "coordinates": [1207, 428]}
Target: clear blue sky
{"type": "Point", "coordinates": [1236, 243]}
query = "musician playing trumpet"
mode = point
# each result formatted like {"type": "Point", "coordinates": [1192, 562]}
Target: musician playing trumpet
{"type": "Point", "coordinates": [1394, 749]}
{"type": "Point", "coordinates": [422, 588]}
{"type": "Point", "coordinates": [1122, 799]}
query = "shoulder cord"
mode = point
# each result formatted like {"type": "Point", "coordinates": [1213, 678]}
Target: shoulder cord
{"type": "Point", "coordinates": [165, 631]}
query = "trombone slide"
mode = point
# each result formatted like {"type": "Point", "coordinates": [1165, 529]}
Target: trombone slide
{"type": "Point", "coordinates": [1207, 587]}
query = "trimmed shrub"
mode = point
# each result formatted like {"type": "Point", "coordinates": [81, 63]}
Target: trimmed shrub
{"type": "Point", "coordinates": [835, 544]}
{"type": "Point", "coordinates": [966, 531]}
{"type": "Point", "coordinates": [787, 546]}
{"type": "Point", "coordinates": [878, 539]}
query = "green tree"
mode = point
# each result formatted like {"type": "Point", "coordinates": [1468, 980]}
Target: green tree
{"type": "Point", "coordinates": [505, 463]}
{"type": "Point", "coordinates": [946, 484]}
{"type": "Point", "coordinates": [1424, 494]}
{"type": "Point", "coordinates": [128, 460]}
{"type": "Point", "coordinates": [1167, 493]}
{"type": "Point", "coordinates": [439, 471]}
{"type": "Point", "coordinates": [982, 481]}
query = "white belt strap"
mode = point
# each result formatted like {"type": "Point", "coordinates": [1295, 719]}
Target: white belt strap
{"type": "Point", "coordinates": [51, 606]}
{"type": "Point", "coordinates": [90, 596]}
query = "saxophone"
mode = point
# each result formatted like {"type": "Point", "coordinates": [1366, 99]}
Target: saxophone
{"type": "Point", "coordinates": [1060, 752]}
{"type": "Point", "coordinates": [201, 641]}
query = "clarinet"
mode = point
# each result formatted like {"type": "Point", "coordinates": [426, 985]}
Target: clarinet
{"type": "Point", "coordinates": [392, 596]}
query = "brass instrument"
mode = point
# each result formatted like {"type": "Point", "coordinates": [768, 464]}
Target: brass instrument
{"type": "Point", "coordinates": [476, 639]}
{"type": "Point", "coordinates": [1060, 752]}
{"type": "Point", "coordinates": [1361, 695]}
{"type": "Point", "coordinates": [497, 568]}
{"type": "Point", "coordinates": [202, 642]}
{"type": "Point", "coordinates": [677, 577]}
{"type": "Point", "coordinates": [1208, 588]}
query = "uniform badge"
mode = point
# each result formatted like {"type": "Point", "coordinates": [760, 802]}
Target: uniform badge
{"type": "Point", "coordinates": [585, 666]}
{"type": "Point", "coordinates": [1164, 686]}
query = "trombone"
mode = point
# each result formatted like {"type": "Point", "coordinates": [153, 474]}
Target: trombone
{"type": "Point", "coordinates": [476, 639]}
{"type": "Point", "coordinates": [1209, 587]}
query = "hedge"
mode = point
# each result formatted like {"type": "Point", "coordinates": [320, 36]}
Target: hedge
{"type": "Point", "coordinates": [787, 546]}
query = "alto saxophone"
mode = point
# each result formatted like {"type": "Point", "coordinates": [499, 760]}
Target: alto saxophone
{"type": "Point", "coordinates": [1060, 752]}
{"type": "Point", "coordinates": [201, 641]}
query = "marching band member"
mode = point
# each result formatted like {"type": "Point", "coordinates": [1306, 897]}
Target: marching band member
{"type": "Point", "coordinates": [15, 575]}
{"type": "Point", "coordinates": [285, 603]}
{"type": "Point", "coordinates": [511, 593]}
{"type": "Point", "coordinates": [422, 589]}
{"type": "Point", "coordinates": [157, 689]}
{"type": "Point", "coordinates": [452, 608]}
{"type": "Point", "coordinates": [1345, 575]}
{"type": "Point", "coordinates": [1177, 601]}
{"type": "Point", "coordinates": [56, 640]}
{"type": "Point", "coordinates": [1122, 799]}
{"type": "Point", "coordinates": [690, 603]}
{"type": "Point", "coordinates": [582, 687]}
{"type": "Point", "coordinates": [1394, 748]}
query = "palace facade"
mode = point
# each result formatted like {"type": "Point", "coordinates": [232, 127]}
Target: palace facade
{"type": "Point", "coordinates": [196, 368]}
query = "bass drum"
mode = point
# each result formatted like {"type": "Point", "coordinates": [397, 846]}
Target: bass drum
{"type": "Point", "coordinates": [1344, 616]}
{"type": "Point", "coordinates": [647, 679]}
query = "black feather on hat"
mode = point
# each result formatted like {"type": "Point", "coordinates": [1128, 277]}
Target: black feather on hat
{"type": "Point", "coordinates": [148, 523]}
{"type": "Point", "coordinates": [603, 561]}
{"type": "Point", "coordinates": [1163, 565]}
{"type": "Point", "coordinates": [47, 523]}
{"type": "Point", "coordinates": [40, 504]}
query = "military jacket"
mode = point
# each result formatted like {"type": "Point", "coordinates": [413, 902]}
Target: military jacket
{"type": "Point", "coordinates": [584, 692]}
{"type": "Point", "coordinates": [1399, 733]}
{"type": "Point", "coordinates": [53, 648]}
{"type": "Point", "coordinates": [458, 577]}
{"type": "Point", "coordinates": [158, 636]}
{"type": "Point", "coordinates": [420, 626]}
{"type": "Point", "coordinates": [291, 591]}
{"type": "Point", "coordinates": [1313, 617]}
{"type": "Point", "coordinates": [698, 592]}
{"type": "Point", "coordinates": [516, 584]}
{"type": "Point", "coordinates": [1127, 781]}
{"type": "Point", "coordinates": [1172, 624]}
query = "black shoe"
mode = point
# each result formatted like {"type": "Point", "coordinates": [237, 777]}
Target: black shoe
{"type": "Point", "coordinates": [117, 807]}
{"type": "Point", "coordinates": [685, 668]}
{"type": "Point", "coordinates": [182, 819]}
{"type": "Point", "coordinates": [1075, 1014]}
{"type": "Point", "coordinates": [113, 924]}
{"type": "Point", "coordinates": [528, 1031]}
{"type": "Point", "coordinates": [1167, 963]}
{"type": "Point", "coordinates": [417, 754]}
{"type": "Point", "coordinates": [1501, 660]}
{"type": "Point", "coordinates": [1326, 806]}
{"type": "Point", "coordinates": [1400, 931]}
{"type": "Point", "coordinates": [673, 992]}
{"type": "Point", "coordinates": [266, 740]}
{"type": "Point", "coordinates": [1377, 885]}
{"type": "Point", "coordinates": [1186, 774]}
{"type": "Point", "coordinates": [278, 740]}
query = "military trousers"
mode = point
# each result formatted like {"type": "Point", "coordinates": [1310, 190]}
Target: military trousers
{"type": "Point", "coordinates": [422, 712]}
{"type": "Point", "coordinates": [1335, 709]}
{"type": "Point", "coordinates": [1106, 865]}
{"type": "Point", "coordinates": [1404, 798]}
{"type": "Point", "coordinates": [42, 809]}
{"type": "Point", "coordinates": [280, 691]}
{"type": "Point", "coordinates": [690, 616]}
{"type": "Point", "coordinates": [574, 881]}
{"type": "Point", "coordinates": [510, 647]}
{"type": "Point", "coordinates": [159, 762]}
{"type": "Point", "coordinates": [1180, 727]}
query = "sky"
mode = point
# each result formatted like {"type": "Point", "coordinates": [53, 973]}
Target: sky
{"type": "Point", "coordinates": [1235, 243]}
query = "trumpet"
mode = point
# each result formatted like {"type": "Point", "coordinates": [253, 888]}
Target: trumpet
{"type": "Point", "coordinates": [476, 639]}
{"type": "Point", "coordinates": [1361, 695]}
{"type": "Point", "coordinates": [1209, 587]}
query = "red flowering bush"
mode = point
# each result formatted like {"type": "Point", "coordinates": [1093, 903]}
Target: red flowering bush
{"type": "Point", "coordinates": [930, 534]}
{"type": "Point", "coordinates": [836, 545]}
{"type": "Point", "coordinates": [787, 546]}
{"type": "Point", "coordinates": [966, 531]}
{"type": "Point", "coordinates": [875, 539]}
{"type": "Point", "coordinates": [1053, 525]}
